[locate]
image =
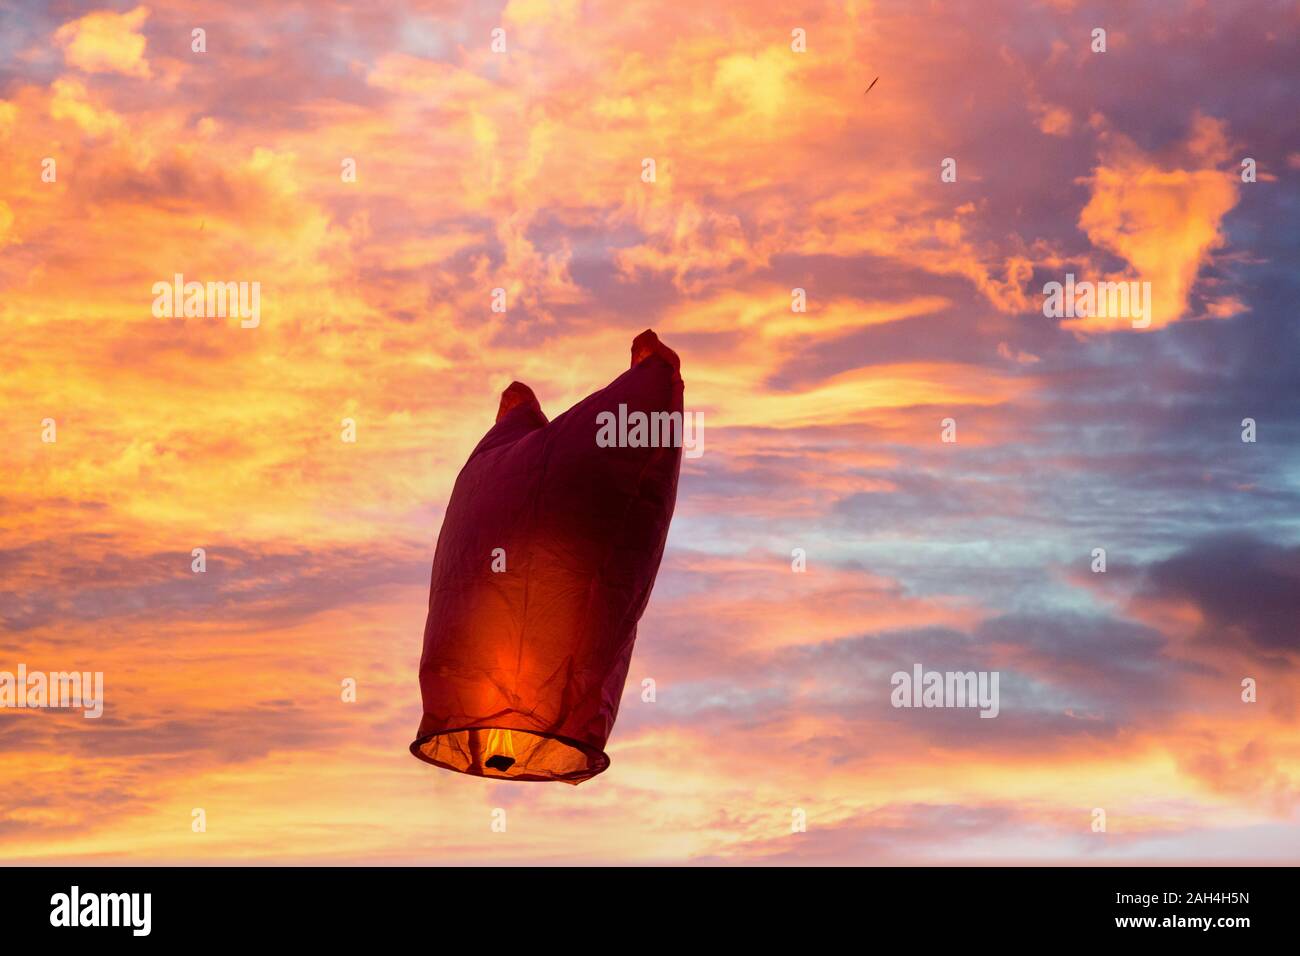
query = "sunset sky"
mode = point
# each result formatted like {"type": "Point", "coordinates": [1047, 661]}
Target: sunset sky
{"type": "Point", "coordinates": [774, 170]}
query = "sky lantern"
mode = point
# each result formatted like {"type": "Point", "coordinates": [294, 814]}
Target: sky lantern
{"type": "Point", "coordinates": [548, 552]}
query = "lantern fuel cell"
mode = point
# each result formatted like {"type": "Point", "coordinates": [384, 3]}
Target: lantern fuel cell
{"type": "Point", "coordinates": [522, 670]}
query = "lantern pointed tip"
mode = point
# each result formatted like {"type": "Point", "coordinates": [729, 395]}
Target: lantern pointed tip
{"type": "Point", "coordinates": [514, 396]}
{"type": "Point", "coordinates": [647, 344]}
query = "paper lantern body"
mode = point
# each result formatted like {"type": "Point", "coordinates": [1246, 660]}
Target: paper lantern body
{"type": "Point", "coordinates": [547, 555]}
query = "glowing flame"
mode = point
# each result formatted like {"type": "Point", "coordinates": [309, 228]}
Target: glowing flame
{"type": "Point", "coordinates": [501, 747]}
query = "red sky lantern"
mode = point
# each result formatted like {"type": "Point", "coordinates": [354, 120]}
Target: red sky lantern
{"type": "Point", "coordinates": [548, 551]}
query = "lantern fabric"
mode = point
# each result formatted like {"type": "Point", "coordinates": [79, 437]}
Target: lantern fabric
{"type": "Point", "coordinates": [548, 551]}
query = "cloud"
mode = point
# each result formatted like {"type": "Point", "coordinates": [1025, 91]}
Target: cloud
{"type": "Point", "coordinates": [72, 580]}
{"type": "Point", "coordinates": [1245, 591]}
{"type": "Point", "coordinates": [1164, 221]}
{"type": "Point", "coordinates": [71, 101]}
{"type": "Point", "coordinates": [106, 42]}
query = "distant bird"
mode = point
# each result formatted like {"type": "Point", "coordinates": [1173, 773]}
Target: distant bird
{"type": "Point", "coordinates": [868, 89]}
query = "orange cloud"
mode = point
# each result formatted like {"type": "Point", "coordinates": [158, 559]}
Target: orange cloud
{"type": "Point", "coordinates": [71, 101]}
{"type": "Point", "coordinates": [106, 42]}
{"type": "Point", "coordinates": [1165, 222]}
